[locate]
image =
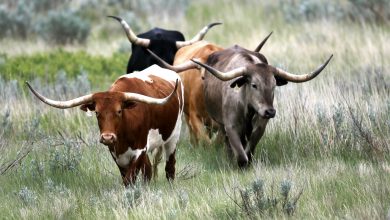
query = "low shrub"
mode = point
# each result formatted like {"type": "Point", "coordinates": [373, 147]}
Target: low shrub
{"type": "Point", "coordinates": [256, 201]}
{"type": "Point", "coordinates": [5, 26]}
{"type": "Point", "coordinates": [63, 27]}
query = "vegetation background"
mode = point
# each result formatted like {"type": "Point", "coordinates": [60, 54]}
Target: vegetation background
{"type": "Point", "coordinates": [325, 155]}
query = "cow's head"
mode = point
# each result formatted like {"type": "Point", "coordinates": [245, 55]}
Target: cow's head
{"type": "Point", "coordinates": [109, 107]}
{"type": "Point", "coordinates": [165, 43]}
{"type": "Point", "coordinates": [259, 82]}
{"type": "Point", "coordinates": [146, 42]}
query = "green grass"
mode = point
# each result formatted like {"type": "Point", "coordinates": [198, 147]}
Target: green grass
{"type": "Point", "coordinates": [47, 66]}
{"type": "Point", "coordinates": [330, 136]}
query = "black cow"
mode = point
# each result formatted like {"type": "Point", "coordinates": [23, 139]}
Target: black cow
{"type": "Point", "coordinates": [164, 43]}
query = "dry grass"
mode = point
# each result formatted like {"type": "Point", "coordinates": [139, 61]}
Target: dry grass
{"type": "Point", "coordinates": [318, 140]}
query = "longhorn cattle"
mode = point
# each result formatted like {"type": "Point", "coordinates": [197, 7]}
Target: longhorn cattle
{"type": "Point", "coordinates": [239, 91]}
{"type": "Point", "coordinates": [194, 107]}
{"type": "Point", "coordinates": [164, 43]}
{"type": "Point", "coordinates": [139, 113]}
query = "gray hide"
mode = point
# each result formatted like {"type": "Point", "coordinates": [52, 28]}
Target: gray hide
{"type": "Point", "coordinates": [240, 105]}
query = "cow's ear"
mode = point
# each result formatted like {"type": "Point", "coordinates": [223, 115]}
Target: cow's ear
{"type": "Point", "coordinates": [239, 82]}
{"type": "Point", "coordinates": [280, 81]}
{"type": "Point", "coordinates": [89, 106]}
{"type": "Point", "coordinates": [128, 104]}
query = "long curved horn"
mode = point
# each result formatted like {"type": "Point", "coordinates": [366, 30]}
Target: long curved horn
{"type": "Point", "coordinates": [300, 78]}
{"type": "Point", "coordinates": [177, 68]}
{"type": "Point", "coordinates": [149, 100]}
{"type": "Point", "coordinates": [62, 104]}
{"type": "Point", "coordinates": [197, 37]}
{"type": "Point", "coordinates": [258, 48]}
{"type": "Point", "coordinates": [143, 42]}
{"type": "Point", "coordinates": [221, 75]}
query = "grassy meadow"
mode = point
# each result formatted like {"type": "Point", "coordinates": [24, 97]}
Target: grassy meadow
{"type": "Point", "coordinates": [324, 156]}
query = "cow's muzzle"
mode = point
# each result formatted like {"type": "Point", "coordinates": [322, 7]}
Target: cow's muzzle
{"type": "Point", "coordinates": [269, 113]}
{"type": "Point", "coordinates": [107, 138]}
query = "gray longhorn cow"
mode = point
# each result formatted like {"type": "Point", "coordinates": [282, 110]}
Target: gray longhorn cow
{"type": "Point", "coordinates": [239, 91]}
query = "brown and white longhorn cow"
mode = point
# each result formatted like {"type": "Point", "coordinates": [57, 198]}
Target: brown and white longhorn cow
{"type": "Point", "coordinates": [141, 112]}
{"type": "Point", "coordinates": [194, 108]}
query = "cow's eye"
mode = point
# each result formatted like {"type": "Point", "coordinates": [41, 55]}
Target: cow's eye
{"type": "Point", "coordinates": [97, 113]}
{"type": "Point", "coordinates": [119, 112]}
{"type": "Point", "coordinates": [254, 86]}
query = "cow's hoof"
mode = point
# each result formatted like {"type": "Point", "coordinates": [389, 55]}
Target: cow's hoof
{"type": "Point", "coordinates": [243, 162]}
{"type": "Point", "coordinates": [170, 177]}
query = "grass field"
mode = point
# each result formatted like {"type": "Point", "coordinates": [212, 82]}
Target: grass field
{"type": "Point", "coordinates": [324, 156]}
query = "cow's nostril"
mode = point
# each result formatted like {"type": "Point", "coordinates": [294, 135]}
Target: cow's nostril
{"type": "Point", "coordinates": [107, 138]}
{"type": "Point", "coordinates": [270, 113]}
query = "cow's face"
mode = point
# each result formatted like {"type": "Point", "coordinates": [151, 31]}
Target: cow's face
{"type": "Point", "coordinates": [109, 108]}
{"type": "Point", "coordinates": [259, 84]}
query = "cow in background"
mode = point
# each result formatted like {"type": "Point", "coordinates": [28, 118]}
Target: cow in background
{"type": "Point", "coordinates": [164, 43]}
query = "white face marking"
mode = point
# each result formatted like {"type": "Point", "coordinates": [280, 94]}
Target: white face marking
{"type": "Point", "coordinates": [124, 159]}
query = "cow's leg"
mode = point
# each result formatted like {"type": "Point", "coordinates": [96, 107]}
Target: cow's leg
{"type": "Point", "coordinates": [142, 163]}
{"type": "Point", "coordinates": [170, 166]}
{"type": "Point", "coordinates": [145, 166]}
{"type": "Point", "coordinates": [131, 174]}
{"type": "Point", "coordinates": [170, 151]}
{"type": "Point", "coordinates": [236, 145]}
{"type": "Point", "coordinates": [121, 169]}
{"type": "Point", "coordinates": [197, 129]}
{"type": "Point", "coordinates": [254, 138]}
{"type": "Point", "coordinates": [225, 139]}
{"type": "Point", "coordinates": [193, 139]}
{"type": "Point", "coordinates": [157, 153]}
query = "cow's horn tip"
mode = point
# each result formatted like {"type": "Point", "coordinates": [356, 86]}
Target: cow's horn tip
{"type": "Point", "coordinates": [331, 56]}
{"type": "Point", "coordinates": [214, 24]}
{"type": "Point", "coordinates": [115, 17]}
